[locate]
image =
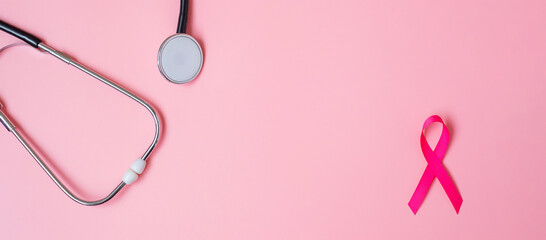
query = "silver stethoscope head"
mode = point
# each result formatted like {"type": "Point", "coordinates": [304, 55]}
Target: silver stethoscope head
{"type": "Point", "coordinates": [180, 57]}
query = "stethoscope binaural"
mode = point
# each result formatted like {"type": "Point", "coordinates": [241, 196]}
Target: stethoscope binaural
{"type": "Point", "coordinates": [136, 168]}
{"type": "Point", "coordinates": [180, 57]}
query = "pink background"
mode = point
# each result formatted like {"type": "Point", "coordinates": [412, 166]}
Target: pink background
{"type": "Point", "coordinates": [303, 124]}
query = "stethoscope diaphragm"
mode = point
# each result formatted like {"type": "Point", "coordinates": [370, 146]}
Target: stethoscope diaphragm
{"type": "Point", "coordinates": [180, 58]}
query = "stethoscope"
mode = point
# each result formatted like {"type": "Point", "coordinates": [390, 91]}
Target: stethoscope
{"type": "Point", "coordinates": [179, 59]}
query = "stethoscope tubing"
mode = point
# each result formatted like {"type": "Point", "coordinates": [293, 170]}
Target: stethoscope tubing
{"type": "Point", "coordinates": [183, 16]}
{"type": "Point", "coordinates": [37, 43]}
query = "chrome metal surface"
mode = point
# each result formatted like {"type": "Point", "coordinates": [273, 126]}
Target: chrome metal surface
{"type": "Point", "coordinates": [67, 59]}
{"type": "Point", "coordinates": [5, 121]}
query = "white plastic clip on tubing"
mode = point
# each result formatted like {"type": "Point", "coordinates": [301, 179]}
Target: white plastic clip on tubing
{"type": "Point", "coordinates": [131, 175]}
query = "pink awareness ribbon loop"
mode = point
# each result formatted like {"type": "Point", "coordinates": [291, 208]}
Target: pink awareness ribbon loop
{"type": "Point", "coordinates": [435, 169]}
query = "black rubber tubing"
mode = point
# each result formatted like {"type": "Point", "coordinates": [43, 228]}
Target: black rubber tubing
{"type": "Point", "coordinates": [183, 17]}
{"type": "Point", "coordinates": [26, 37]}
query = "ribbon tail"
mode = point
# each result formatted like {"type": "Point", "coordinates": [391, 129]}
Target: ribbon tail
{"type": "Point", "coordinates": [449, 187]}
{"type": "Point", "coordinates": [453, 195]}
{"type": "Point", "coordinates": [421, 191]}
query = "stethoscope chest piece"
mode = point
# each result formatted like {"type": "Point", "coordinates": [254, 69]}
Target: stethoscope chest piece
{"type": "Point", "coordinates": [180, 58]}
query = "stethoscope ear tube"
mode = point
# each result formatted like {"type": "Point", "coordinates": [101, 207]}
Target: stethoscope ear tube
{"type": "Point", "coordinates": [26, 37]}
{"type": "Point", "coordinates": [6, 122]}
{"type": "Point", "coordinates": [136, 168]}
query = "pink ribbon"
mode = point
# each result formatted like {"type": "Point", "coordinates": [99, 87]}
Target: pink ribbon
{"type": "Point", "coordinates": [435, 169]}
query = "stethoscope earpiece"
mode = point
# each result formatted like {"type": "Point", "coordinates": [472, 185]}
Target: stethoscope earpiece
{"type": "Point", "coordinates": [180, 58]}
